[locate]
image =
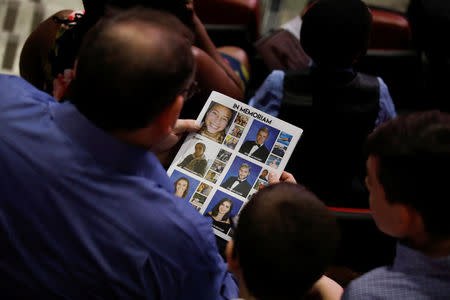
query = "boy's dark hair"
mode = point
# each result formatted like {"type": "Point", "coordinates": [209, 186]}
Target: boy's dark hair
{"type": "Point", "coordinates": [414, 156]}
{"type": "Point", "coordinates": [285, 239]}
{"type": "Point", "coordinates": [131, 67]}
{"type": "Point", "coordinates": [335, 32]}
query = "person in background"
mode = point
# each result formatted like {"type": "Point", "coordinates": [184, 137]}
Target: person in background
{"type": "Point", "coordinates": [270, 238]}
{"type": "Point", "coordinates": [87, 210]}
{"type": "Point", "coordinates": [48, 56]}
{"type": "Point", "coordinates": [430, 25]}
{"type": "Point", "coordinates": [407, 159]}
{"type": "Point", "coordinates": [336, 106]}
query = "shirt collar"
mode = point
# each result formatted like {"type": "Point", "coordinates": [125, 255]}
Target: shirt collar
{"type": "Point", "coordinates": [105, 148]}
{"type": "Point", "coordinates": [408, 260]}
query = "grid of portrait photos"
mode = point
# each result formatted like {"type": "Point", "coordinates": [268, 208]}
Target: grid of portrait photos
{"type": "Point", "coordinates": [220, 167]}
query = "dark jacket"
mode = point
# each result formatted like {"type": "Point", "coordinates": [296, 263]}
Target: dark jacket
{"type": "Point", "coordinates": [260, 154]}
{"type": "Point", "coordinates": [242, 188]}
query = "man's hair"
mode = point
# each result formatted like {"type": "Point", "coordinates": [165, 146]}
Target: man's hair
{"type": "Point", "coordinates": [98, 8]}
{"type": "Point", "coordinates": [287, 232]}
{"type": "Point", "coordinates": [335, 32]}
{"type": "Point", "coordinates": [264, 129]}
{"type": "Point", "coordinates": [246, 166]}
{"type": "Point", "coordinates": [131, 67]}
{"type": "Point", "coordinates": [414, 158]}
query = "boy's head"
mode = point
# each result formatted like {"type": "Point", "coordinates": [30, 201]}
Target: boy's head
{"type": "Point", "coordinates": [408, 159]}
{"type": "Point", "coordinates": [287, 232]}
{"type": "Point", "coordinates": [335, 33]}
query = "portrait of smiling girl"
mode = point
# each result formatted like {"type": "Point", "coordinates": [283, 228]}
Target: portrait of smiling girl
{"type": "Point", "coordinates": [216, 121]}
{"type": "Point", "coordinates": [181, 187]}
{"type": "Point", "coordinates": [220, 214]}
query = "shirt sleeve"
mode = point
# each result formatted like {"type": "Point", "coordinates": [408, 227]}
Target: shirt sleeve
{"type": "Point", "coordinates": [209, 278]}
{"type": "Point", "coordinates": [270, 94]}
{"type": "Point", "coordinates": [189, 265]}
{"type": "Point", "coordinates": [387, 107]}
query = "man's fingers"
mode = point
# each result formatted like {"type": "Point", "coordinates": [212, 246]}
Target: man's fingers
{"type": "Point", "coordinates": [273, 178]}
{"type": "Point", "coordinates": [285, 177]}
{"type": "Point", "coordinates": [182, 126]}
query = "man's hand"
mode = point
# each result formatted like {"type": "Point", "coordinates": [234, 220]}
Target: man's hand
{"type": "Point", "coordinates": [181, 127]}
{"type": "Point", "coordinates": [285, 177]}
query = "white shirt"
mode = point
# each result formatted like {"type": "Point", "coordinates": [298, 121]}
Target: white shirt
{"type": "Point", "coordinates": [235, 183]}
{"type": "Point", "coordinates": [254, 148]}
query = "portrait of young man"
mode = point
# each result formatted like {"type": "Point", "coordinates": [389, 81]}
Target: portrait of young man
{"type": "Point", "coordinates": [259, 140]}
{"type": "Point", "coordinates": [239, 184]}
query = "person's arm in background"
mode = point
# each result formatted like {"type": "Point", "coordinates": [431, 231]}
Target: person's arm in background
{"type": "Point", "coordinates": [325, 289]}
{"type": "Point", "coordinates": [387, 108]}
{"type": "Point", "coordinates": [269, 95]}
{"type": "Point", "coordinates": [211, 77]}
{"type": "Point", "coordinates": [36, 50]}
{"type": "Point", "coordinates": [223, 79]}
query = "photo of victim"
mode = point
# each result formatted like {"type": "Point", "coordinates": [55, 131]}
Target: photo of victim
{"type": "Point", "coordinates": [216, 122]}
{"type": "Point", "coordinates": [259, 141]}
{"type": "Point", "coordinates": [204, 189]}
{"type": "Point", "coordinates": [241, 176]}
{"type": "Point", "coordinates": [184, 186]}
{"type": "Point", "coordinates": [198, 157]}
{"type": "Point", "coordinates": [221, 208]}
{"type": "Point", "coordinates": [198, 200]}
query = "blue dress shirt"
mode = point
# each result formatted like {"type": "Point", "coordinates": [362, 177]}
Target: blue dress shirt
{"type": "Point", "coordinates": [85, 216]}
{"type": "Point", "coordinates": [412, 276]}
{"type": "Point", "coordinates": [269, 96]}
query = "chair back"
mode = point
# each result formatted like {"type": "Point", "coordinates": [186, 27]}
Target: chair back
{"type": "Point", "coordinates": [230, 22]}
{"type": "Point", "coordinates": [390, 30]}
{"type": "Point", "coordinates": [363, 246]}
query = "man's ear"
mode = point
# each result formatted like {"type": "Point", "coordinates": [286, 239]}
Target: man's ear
{"type": "Point", "coordinates": [407, 221]}
{"type": "Point", "coordinates": [412, 223]}
{"type": "Point", "coordinates": [232, 259]}
{"type": "Point", "coordinates": [166, 120]}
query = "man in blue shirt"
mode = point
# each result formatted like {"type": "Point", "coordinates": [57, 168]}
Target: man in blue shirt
{"type": "Point", "coordinates": [408, 158]}
{"type": "Point", "coordinates": [86, 211]}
